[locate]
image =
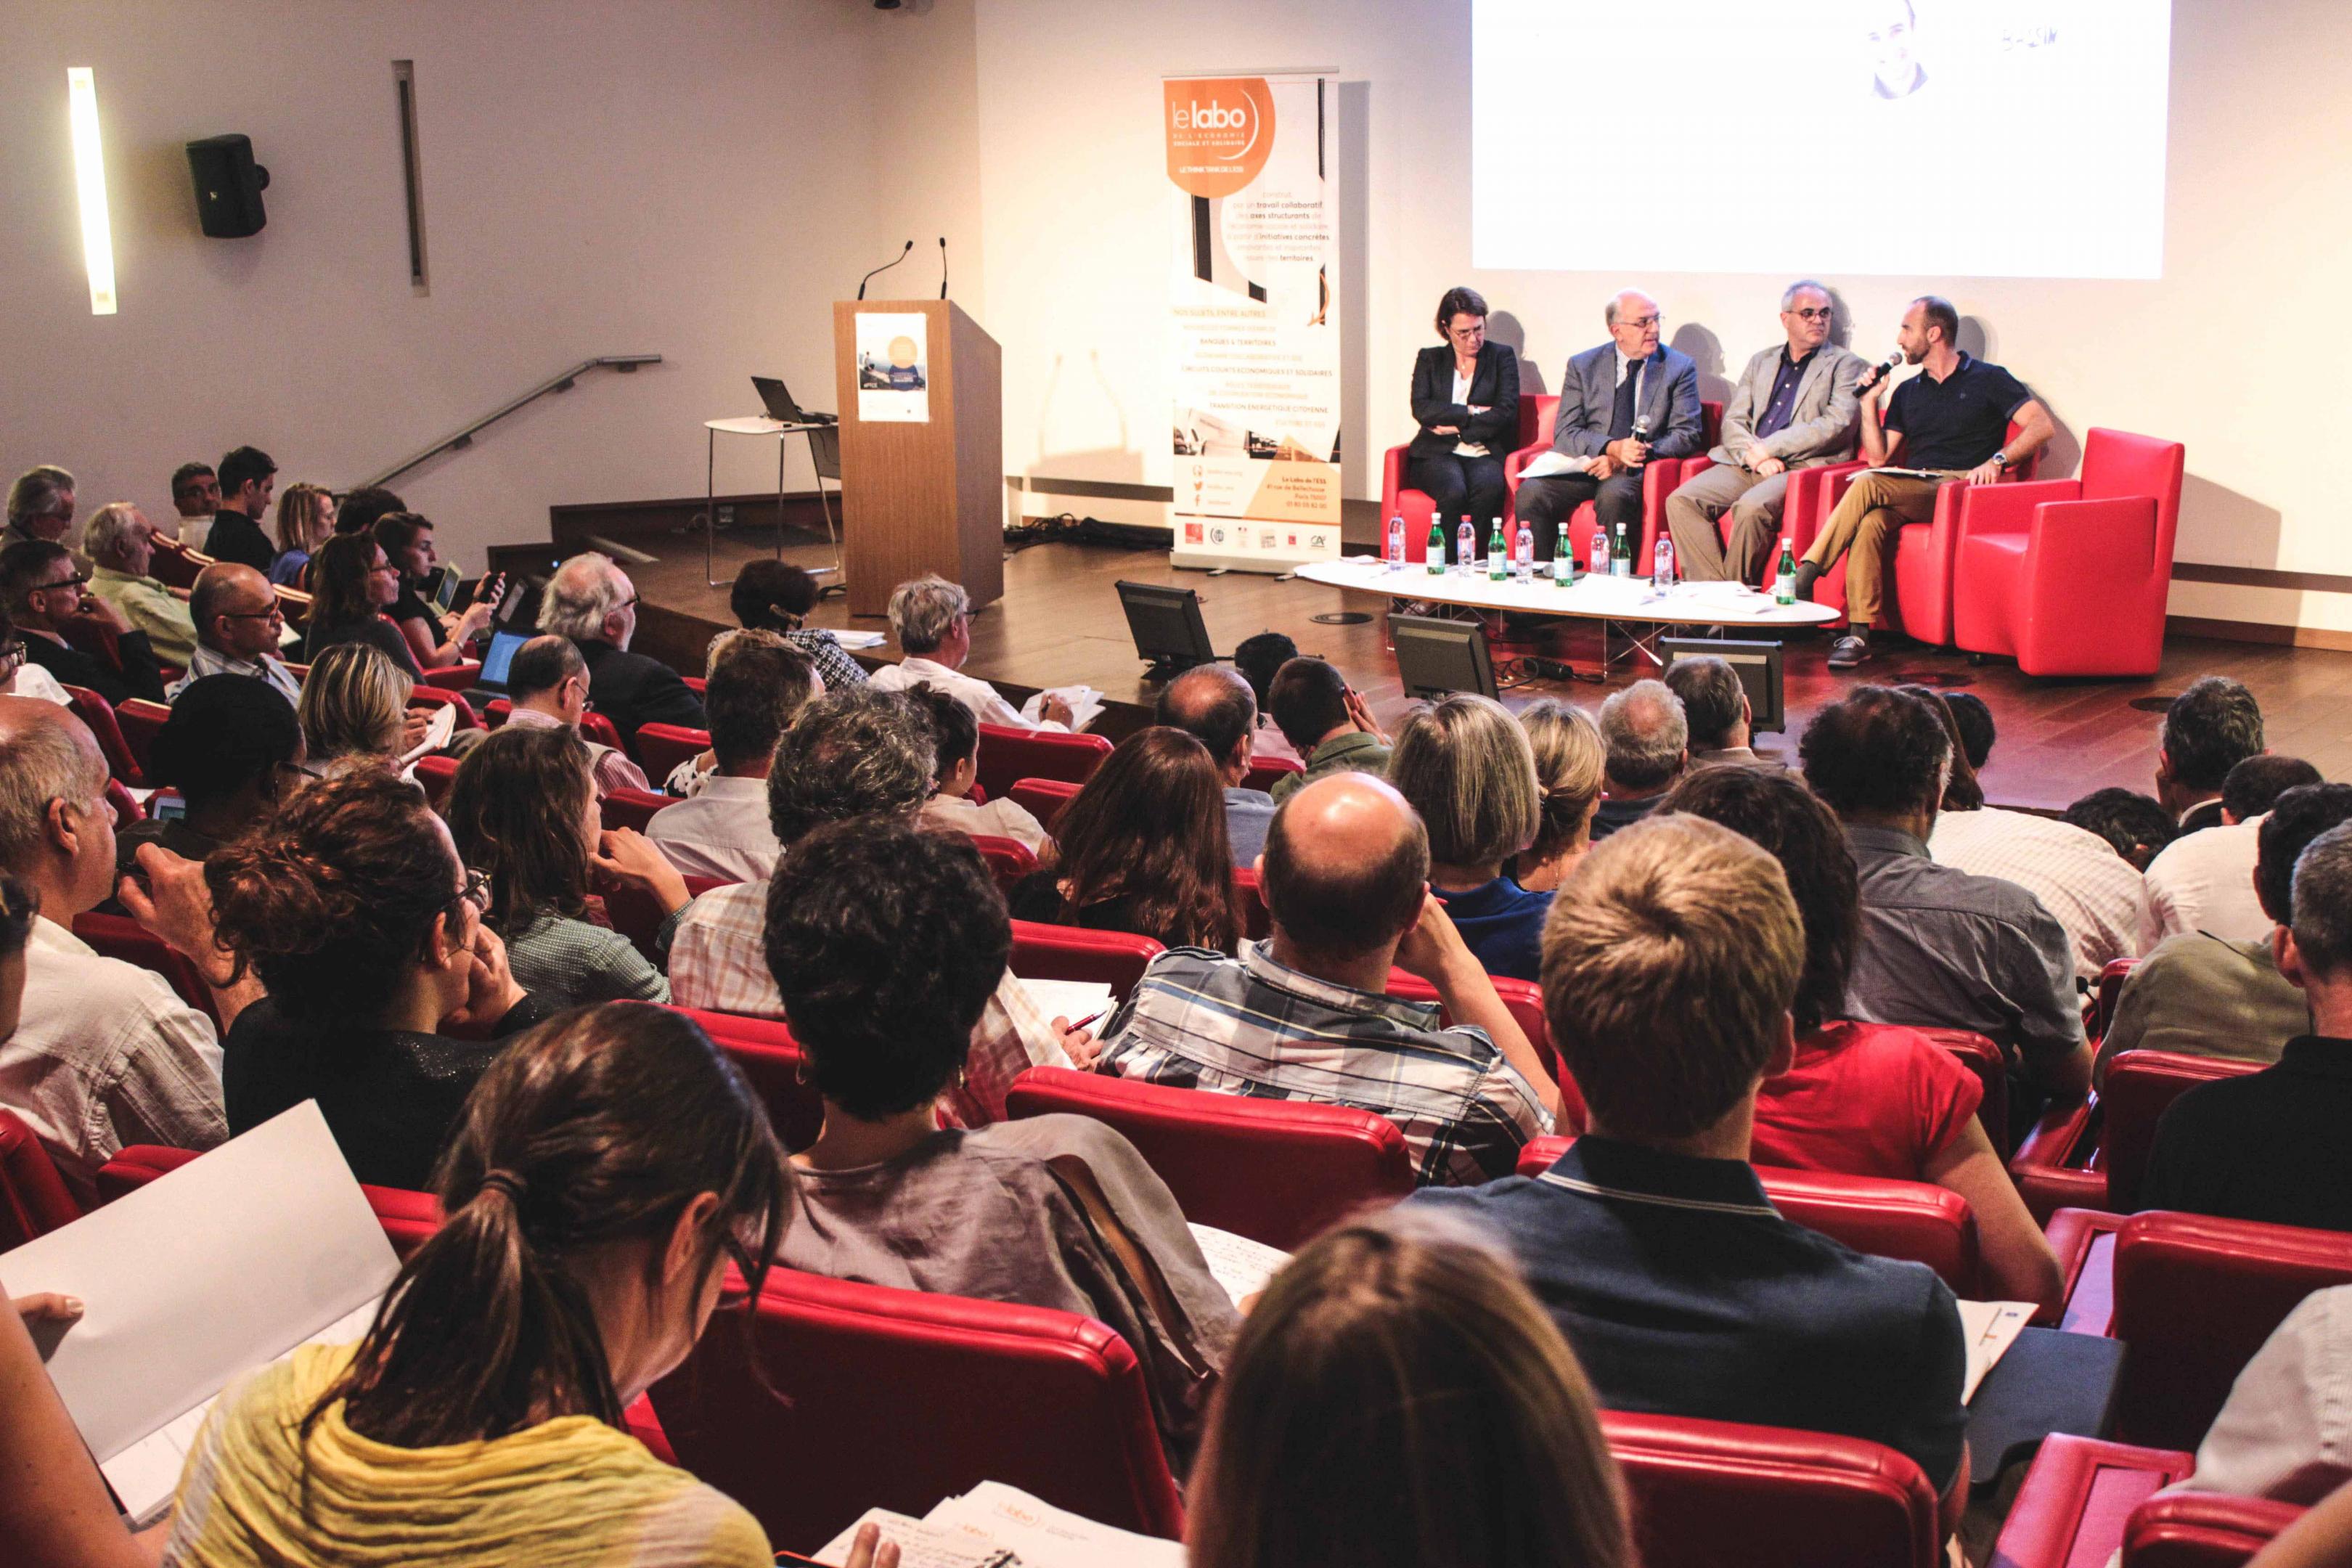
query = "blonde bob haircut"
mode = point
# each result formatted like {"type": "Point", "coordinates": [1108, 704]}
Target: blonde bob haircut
{"type": "Point", "coordinates": [1465, 765]}
{"type": "Point", "coordinates": [1670, 962]}
{"type": "Point", "coordinates": [304, 517]}
{"type": "Point", "coordinates": [353, 702]}
{"type": "Point", "coordinates": [1569, 762]}
{"type": "Point", "coordinates": [1399, 1399]}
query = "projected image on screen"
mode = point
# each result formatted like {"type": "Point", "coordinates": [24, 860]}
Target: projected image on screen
{"type": "Point", "coordinates": [1945, 138]}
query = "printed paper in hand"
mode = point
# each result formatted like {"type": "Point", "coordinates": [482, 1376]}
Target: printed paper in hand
{"type": "Point", "coordinates": [1989, 1328]}
{"type": "Point", "coordinates": [1242, 1265]}
{"type": "Point", "coordinates": [1085, 705]}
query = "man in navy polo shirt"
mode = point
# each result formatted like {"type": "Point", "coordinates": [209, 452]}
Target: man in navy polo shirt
{"type": "Point", "coordinates": [1951, 423]}
{"type": "Point", "coordinates": [1670, 962]}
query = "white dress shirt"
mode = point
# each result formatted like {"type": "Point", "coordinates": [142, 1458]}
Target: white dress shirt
{"type": "Point", "coordinates": [106, 1055]}
{"type": "Point", "coordinates": [2206, 882]}
{"type": "Point", "coordinates": [721, 830]}
{"type": "Point", "coordinates": [32, 680]}
{"type": "Point", "coordinates": [1003, 818]}
{"type": "Point", "coordinates": [2286, 1430]}
{"type": "Point", "coordinates": [987, 704]}
{"type": "Point", "coordinates": [1462, 395]}
{"type": "Point", "coordinates": [2097, 895]}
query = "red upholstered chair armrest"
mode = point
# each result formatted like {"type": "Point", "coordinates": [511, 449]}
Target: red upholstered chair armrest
{"type": "Point", "coordinates": [2051, 1163]}
{"type": "Point", "coordinates": [2078, 542]}
{"type": "Point", "coordinates": [2083, 1241]}
{"type": "Point", "coordinates": [2202, 1530]}
{"type": "Point", "coordinates": [1392, 478]}
{"type": "Point", "coordinates": [1658, 482]}
{"type": "Point", "coordinates": [2009, 508]}
{"type": "Point", "coordinates": [2072, 1509]}
{"type": "Point", "coordinates": [136, 1165]}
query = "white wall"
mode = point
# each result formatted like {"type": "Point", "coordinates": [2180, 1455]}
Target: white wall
{"type": "Point", "coordinates": [688, 178]}
{"type": "Point", "coordinates": [2259, 214]}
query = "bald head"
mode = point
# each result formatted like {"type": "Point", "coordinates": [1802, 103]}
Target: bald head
{"type": "Point", "coordinates": [1632, 320]}
{"type": "Point", "coordinates": [52, 779]}
{"type": "Point", "coordinates": [1215, 706]}
{"type": "Point", "coordinates": [230, 605]}
{"type": "Point", "coordinates": [1347, 865]}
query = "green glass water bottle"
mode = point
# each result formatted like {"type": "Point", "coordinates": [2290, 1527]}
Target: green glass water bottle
{"type": "Point", "coordinates": [1563, 560]}
{"type": "Point", "coordinates": [1784, 576]}
{"type": "Point", "coordinates": [1498, 554]}
{"type": "Point", "coordinates": [1435, 559]}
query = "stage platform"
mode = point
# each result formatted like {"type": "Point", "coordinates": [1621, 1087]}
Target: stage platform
{"type": "Point", "coordinates": [1059, 623]}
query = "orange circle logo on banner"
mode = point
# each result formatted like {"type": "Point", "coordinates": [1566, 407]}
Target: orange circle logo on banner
{"type": "Point", "coordinates": [1220, 130]}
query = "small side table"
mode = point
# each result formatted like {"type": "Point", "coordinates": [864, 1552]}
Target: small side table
{"type": "Point", "coordinates": [760, 424]}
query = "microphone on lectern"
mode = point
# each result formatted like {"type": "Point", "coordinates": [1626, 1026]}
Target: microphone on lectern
{"type": "Point", "coordinates": [943, 267]}
{"type": "Point", "coordinates": [883, 267]}
{"type": "Point", "coordinates": [1879, 372]}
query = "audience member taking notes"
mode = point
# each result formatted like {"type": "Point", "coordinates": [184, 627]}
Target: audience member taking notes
{"type": "Point", "coordinates": [932, 617]}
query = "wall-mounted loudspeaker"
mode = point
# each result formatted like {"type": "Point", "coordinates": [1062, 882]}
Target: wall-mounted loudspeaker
{"type": "Point", "coordinates": [228, 186]}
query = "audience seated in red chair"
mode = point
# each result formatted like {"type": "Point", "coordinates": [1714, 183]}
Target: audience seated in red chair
{"type": "Point", "coordinates": [855, 753]}
{"type": "Point", "coordinates": [434, 640]}
{"type": "Point", "coordinates": [2271, 1146]}
{"type": "Point", "coordinates": [233, 750]}
{"type": "Point", "coordinates": [2201, 995]}
{"type": "Point", "coordinates": [777, 597]}
{"type": "Point", "coordinates": [352, 586]}
{"type": "Point", "coordinates": [593, 602]}
{"type": "Point", "coordinates": [758, 684]}
{"type": "Point", "coordinates": [1716, 711]}
{"type": "Point", "coordinates": [1327, 722]}
{"type": "Point", "coordinates": [120, 543]}
{"type": "Point", "coordinates": [887, 941]}
{"type": "Point", "coordinates": [547, 688]}
{"type": "Point", "coordinates": [1260, 658]}
{"type": "Point", "coordinates": [1465, 408]}
{"type": "Point", "coordinates": [1143, 849]}
{"type": "Point", "coordinates": [196, 497]}
{"type": "Point", "coordinates": [48, 596]}
{"type": "Point", "coordinates": [1215, 706]}
{"type": "Point", "coordinates": [387, 996]}
{"type": "Point", "coordinates": [1398, 1398]}
{"type": "Point", "coordinates": [238, 621]}
{"type": "Point", "coordinates": [933, 618]}
{"type": "Point", "coordinates": [2204, 881]}
{"type": "Point", "coordinates": [598, 1183]}
{"type": "Point", "coordinates": [104, 1053]}
{"type": "Point", "coordinates": [40, 505]}
{"type": "Point", "coordinates": [1570, 763]}
{"type": "Point", "coordinates": [1464, 765]}
{"type": "Point", "coordinates": [306, 519]}
{"type": "Point", "coordinates": [1304, 1014]}
{"type": "Point", "coordinates": [2286, 1431]}
{"type": "Point", "coordinates": [1671, 963]}
{"type": "Point", "coordinates": [1646, 743]}
{"type": "Point", "coordinates": [1868, 1101]}
{"type": "Point", "coordinates": [957, 734]}
{"type": "Point", "coordinates": [247, 476]}
{"type": "Point", "coordinates": [1939, 947]}
{"type": "Point", "coordinates": [354, 712]}
{"type": "Point", "coordinates": [523, 813]}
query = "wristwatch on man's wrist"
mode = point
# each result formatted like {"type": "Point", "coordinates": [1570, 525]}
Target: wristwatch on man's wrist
{"type": "Point", "coordinates": [2000, 460]}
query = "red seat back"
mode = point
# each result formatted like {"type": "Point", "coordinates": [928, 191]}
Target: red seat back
{"type": "Point", "coordinates": [408, 1217]}
{"type": "Point", "coordinates": [1044, 798]}
{"type": "Point", "coordinates": [851, 1397]}
{"type": "Point", "coordinates": [2118, 464]}
{"type": "Point", "coordinates": [1910, 1220]}
{"type": "Point", "coordinates": [2110, 991]}
{"type": "Point", "coordinates": [1009, 859]}
{"type": "Point", "coordinates": [2202, 1530]}
{"type": "Point", "coordinates": [98, 714]}
{"type": "Point", "coordinates": [1257, 921]}
{"type": "Point", "coordinates": [33, 1196]}
{"type": "Point", "coordinates": [661, 747]}
{"type": "Point", "coordinates": [119, 936]}
{"type": "Point", "coordinates": [633, 913]}
{"type": "Point", "coordinates": [1008, 756]}
{"type": "Point", "coordinates": [424, 695]}
{"type": "Point", "coordinates": [1113, 958]}
{"type": "Point", "coordinates": [437, 777]}
{"type": "Point", "coordinates": [138, 720]}
{"type": "Point", "coordinates": [1990, 1068]}
{"type": "Point", "coordinates": [463, 676]}
{"type": "Point", "coordinates": [175, 565]}
{"type": "Point", "coordinates": [1277, 1170]}
{"type": "Point", "coordinates": [2140, 1085]}
{"type": "Point", "coordinates": [1266, 771]}
{"type": "Point", "coordinates": [127, 809]}
{"type": "Point", "coordinates": [1710, 1492]}
{"type": "Point", "coordinates": [1524, 999]}
{"type": "Point", "coordinates": [632, 807]}
{"type": "Point", "coordinates": [2195, 1299]}
{"type": "Point", "coordinates": [765, 1048]}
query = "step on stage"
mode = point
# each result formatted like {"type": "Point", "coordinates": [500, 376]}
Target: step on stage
{"type": "Point", "coordinates": [1059, 623]}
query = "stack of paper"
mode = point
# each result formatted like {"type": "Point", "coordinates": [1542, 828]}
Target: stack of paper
{"type": "Point", "coordinates": [1989, 1328]}
{"type": "Point", "coordinates": [1077, 1000]}
{"type": "Point", "coordinates": [994, 1524]}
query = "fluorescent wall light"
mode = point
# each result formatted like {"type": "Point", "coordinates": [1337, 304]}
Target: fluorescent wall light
{"type": "Point", "coordinates": [90, 181]}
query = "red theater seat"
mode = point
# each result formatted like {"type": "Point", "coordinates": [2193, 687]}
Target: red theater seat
{"type": "Point", "coordinates": [1718, 1492]}
{"type": "Point", "coordinates": [2083, 1499]}
{"type": "Point", "coordinates": [1911, 1220]}
{"type": "Point", "coordinates": [1257, 921]}
{"type": "Point", "coordinates": [463, 676]}
{"type": "Point", "coordinates": [33, 1196]}
{"type": "Point", "coordinates": [2026, 554]}
{"type": "Point", "coordinates": [138, 720]}
{"type": "Point", "coordinates": [1267, 772]}
{"type": "Point", "coordinates": [1276, 1171]}
{"type": "Point", "coordinates": [2095, 1156]}
{"type": "Point", "coordinates": [1397, 500]}
{"type": "Point", "coordinates": [1114, 958]}
{"type": "Point", "coordinates": [1524, 1001]}
{"type": "Point", "coordinates": [437, 777]}
{"type": "Point", "coordinates": [98, 714]}
{"type": "Point", "coordinates": [633, 913]}
{"type": "Point", "coordinates": [1044, 798]}
{"type": "Point", "coordinates": [632, 808]}
{"type": "Point", "coordinates": [661, 747]}
{"type": "Point", "coordinates": [428, 695]}
{"type": "Point", "coordinates": [765, 1048]}
{"type": "Point", "coordinates": [1008, 756]}
{"type": "Point", "coordinates": [119, 936]}
{"type": "Point", "coordinates": [849, 1396]}
{"type": "Point", "coordinates": [1009, 859]}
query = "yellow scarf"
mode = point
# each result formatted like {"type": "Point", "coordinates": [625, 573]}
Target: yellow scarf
{"type": "Point", "coordinates": [568, 1493]}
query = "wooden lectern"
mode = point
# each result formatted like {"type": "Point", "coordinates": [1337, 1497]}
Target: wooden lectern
{"type": "Point", "coordinates": [928, 496]}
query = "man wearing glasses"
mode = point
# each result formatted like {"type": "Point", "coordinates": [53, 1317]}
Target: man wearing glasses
{"type": "Point", "coordinates": [1795, 407]}
{"type": "Point", "coordinates": [49, 596]}
{"type": "Point", "coordinates": [1621, 405]}
{"type": "Point", "coordinates": [239, 625]}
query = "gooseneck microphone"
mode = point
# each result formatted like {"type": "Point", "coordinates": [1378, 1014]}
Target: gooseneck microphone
{"type": "Point", "coordinates": [883, 267]}
{"type": "Point", "coordinates": [943, 267]}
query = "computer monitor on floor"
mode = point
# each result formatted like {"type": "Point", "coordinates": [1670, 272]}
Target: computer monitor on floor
{"type": "Point", "coordinates": [1436, 657]}
{"type": "Point", "coordinates": [1166, 627]}
{"type": "Point", "coordinates": [1758, 665]}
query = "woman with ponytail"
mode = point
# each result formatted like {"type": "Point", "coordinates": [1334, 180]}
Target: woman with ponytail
{"type": "Point", "coordinates": [607, 1170]}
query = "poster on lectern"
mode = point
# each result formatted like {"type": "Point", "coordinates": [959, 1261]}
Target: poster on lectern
{"type": "Point", "coordinates": [1254, 214]}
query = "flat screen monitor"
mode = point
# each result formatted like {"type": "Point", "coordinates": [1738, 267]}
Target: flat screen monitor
{"type": "Point", "coordinates": [1436, 657]}
{"type": "Point", "coordinates": [1758, 665]}
{"type": "Point", "coordinates": [1166, 627]}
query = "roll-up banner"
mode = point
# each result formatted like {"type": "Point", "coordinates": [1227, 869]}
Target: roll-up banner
{"type": "Point", "coordinates": [1253, 289]}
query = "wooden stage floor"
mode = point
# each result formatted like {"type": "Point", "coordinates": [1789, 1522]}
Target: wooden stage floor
{"type": "Point", "coordinates": [1059, 623]}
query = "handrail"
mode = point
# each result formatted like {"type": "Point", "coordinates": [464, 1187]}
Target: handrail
{"type": "Point", "coordinates": [625, 364]}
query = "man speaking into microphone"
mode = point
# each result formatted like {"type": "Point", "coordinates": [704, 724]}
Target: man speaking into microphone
{"type": "Point", "coordinates": [1949, 423]}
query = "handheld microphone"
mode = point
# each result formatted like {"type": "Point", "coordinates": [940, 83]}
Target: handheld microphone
{"type": "Point", "coordinates": [943, 267]}
{"type": "Point", "coordinates": [1879, 372]}
{"type": "Point", "coordinates": [883, 267]}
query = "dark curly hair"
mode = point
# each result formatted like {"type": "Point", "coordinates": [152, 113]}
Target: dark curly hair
{"type": "Point", "coordinates": [771, 596]}
{"type": "Point", "coordinates": [1770, 807]}
{"type": "Point", "coordinates": [2136, 825]}
{"type": "Point", "coordinates": [886, 941]}
{"type": "Point", "coordinates": [854, 752]}
{"type": "Point", "coordinates": [519, 811]}
{"type": "Point", "coordinates": [2209, 729]}
{"type": "Point", "coordinates": [1962, 790]}
{"type": "Point", "coordinates": [1880, 750]}
{"type": "Point", "coordinates": [2254, 786]}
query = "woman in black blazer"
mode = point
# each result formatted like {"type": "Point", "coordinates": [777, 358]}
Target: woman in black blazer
{"type": "Point", "coordinates": [1456, 456]}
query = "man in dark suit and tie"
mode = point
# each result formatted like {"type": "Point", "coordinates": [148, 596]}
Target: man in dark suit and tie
{"type": "Point", "coordinates": [592, 601]}
{"type": "Point", "coordinates": [1630, 383]}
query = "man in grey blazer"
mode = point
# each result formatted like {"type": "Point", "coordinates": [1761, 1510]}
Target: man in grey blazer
{"type": "Point", "coordinates": [1795, 408]}
{"type": "Point", "coordinates": [1605, 396]}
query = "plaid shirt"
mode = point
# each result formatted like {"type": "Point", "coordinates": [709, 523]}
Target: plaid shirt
{"type": "Point", "coordinates": [1253, 1026]}
{"type": "Point", "coordinates": [613, 770]}
{"type": "Point", "coordinates": [719, 963]}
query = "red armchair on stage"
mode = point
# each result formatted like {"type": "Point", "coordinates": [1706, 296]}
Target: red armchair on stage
{"type": "Point", "coordinates": [1416, 507]}
{"type": "Point", "coordinates": [1659, 479]}
{"type": "Point", "coordinates": [2070, 577]}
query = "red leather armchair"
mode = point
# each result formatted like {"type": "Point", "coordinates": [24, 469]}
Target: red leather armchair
{"type": "Point", "coordinates": [1276, 1171]}
{"type": "Point", "coordinates": [1398, 499]}
{"type": "Point", "coordinates": [661, 747]}
{"type": "Point", "coordinates": [1008, 756]}
{"type": "Point", "coordinates": [2093, 1155]}
{"type": "Point", "coordinates": [2084, 1500]}
{"type": "Point", "coordinates": [1044, 798]}
{"type": "Point", "coordinates": [1113, 958]}
{"type": "Point", "coordinates": [1712, 1492]}
{"type": "Point", "coordinates": [632, 807]}
{"type": "Point", "coordinates": [1659, 480]}
{"type": "Point", "coordinates": [848, 1397]}
{"type": "Point", "coordinates": [33, 1196]}
{"type": "Point", "coordinates": [2069, 576]}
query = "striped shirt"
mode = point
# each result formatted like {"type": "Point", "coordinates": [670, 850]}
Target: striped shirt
{"type": "Point", "coordinates": [1252, 1026]}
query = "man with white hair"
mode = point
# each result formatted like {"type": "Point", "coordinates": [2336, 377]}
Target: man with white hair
{"type": "Point", "coordinates": [592, 601]}
{"type": "Point", "coordinates": [40, 505]}
{"type": "Point", "coordinates": [933, 619]}
{"type": "Point", "coordinates": [104, 1054]}
{"type": "Point", "coordinates": [1621, 405]}
{"type": "Point", "coordinates": [1647, 739]}
{"type": "Point", "coordinates": [120, 543]}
